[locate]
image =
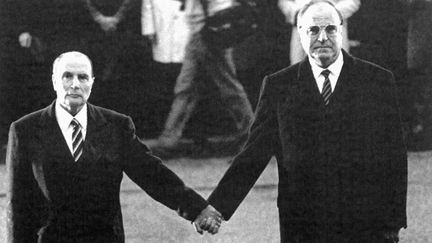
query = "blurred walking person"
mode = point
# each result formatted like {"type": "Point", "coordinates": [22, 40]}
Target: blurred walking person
{"type": "Point", "coordinates": [204, 64]}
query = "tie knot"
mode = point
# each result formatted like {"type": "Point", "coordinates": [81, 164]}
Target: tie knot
{"type": "Point", "coordinates": [74, 123]}
{"type": "Point", "coordinates": [325, 73]}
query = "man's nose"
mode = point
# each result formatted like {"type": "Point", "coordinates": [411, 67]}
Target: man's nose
{"type": "Point", "coordinates": [322, 35]}
{"type": "Point", "coordinates": [75, 82]}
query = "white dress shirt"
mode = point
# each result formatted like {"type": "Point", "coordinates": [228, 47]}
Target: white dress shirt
{"type": "Point", "coordinates": [64, 119]}
{"type": "Point", "coordinates": [334, 68]}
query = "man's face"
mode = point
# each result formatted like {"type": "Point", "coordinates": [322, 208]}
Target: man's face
{"type": "Point", "coordinates": [321, 33]}
{"type": "Point", "coordinates": [72, 81]}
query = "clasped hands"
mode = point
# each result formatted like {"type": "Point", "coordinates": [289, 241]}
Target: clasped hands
{"type": "Point", "coordinates": [209, 220]}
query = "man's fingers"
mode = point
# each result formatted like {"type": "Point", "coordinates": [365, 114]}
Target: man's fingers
{"type": "Point", "coordinates": [219, 219]}
{"type": "Point", "coordinates": [213, 226]}
{"type": "Point", "coordinates": [216, 213]}
{"type": "Point", "coordinates": [216, 230]}
{"type": "Point", "coordinates": [198, 227]}
{"type": "Point", "coordinates": [209, 220]}
{"type": "Point", "coordinates": [210, 225]}
{"type": "Point", "coordinates": [205, 224]}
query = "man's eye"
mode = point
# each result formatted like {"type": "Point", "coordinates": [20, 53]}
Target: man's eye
{"type": "Point", "coordinates": [331, 29]}
{"type": "Point", "coordinates": [67, 75]}
{"type": "Point", "coordinates": [314, 30]}
{"type": "Point", "coordinates": [83, 77]}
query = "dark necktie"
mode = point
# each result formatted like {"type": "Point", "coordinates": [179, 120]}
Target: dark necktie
{"type": "Point", "coordinates": [326, 91]}
{"type": "Point", "coordinates": [77, 140]}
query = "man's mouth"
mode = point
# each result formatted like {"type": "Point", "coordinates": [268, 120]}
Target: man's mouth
{"type": "Point", "coordinates": [74, 95]}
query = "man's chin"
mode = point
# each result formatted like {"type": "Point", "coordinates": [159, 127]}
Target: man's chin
{"type": "Point", "coordinates": [325, 58]}
{"type": "Point", "coordinates": [323, 52]}
{"type": "Point", "coordinates": [74, 103]}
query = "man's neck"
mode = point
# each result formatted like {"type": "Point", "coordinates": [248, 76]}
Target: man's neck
{"type": "Point", "coordinates": [337, 62]}
{"type": "Point", "coordinates": [72, 110]}
{"type": "Point", "coordinates": [324, 64]}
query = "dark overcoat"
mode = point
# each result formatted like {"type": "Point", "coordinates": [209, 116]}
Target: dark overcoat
{"type": "Point", "coordinates": [52, 198]}
{"type": "Point", "coordinates": [342, 167]}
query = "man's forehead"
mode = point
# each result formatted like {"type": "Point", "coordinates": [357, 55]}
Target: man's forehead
{"type": "Point", "coordinates": [74, 61]}
{"type": "Point", "coordinates": [321, 13]}
{"type": "Point", "coordinates": [81, 65]}
{"type": "Point", "coordinates": [70, 63]}
{"type": "Point", "coordinates": [320, 20]}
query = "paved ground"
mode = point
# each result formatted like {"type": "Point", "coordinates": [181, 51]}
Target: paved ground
{"type": "Point", "coordinates": [256, 219]}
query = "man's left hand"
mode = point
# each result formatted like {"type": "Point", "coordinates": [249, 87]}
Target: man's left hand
{"type": "Point", "coordinates": [209, 220]}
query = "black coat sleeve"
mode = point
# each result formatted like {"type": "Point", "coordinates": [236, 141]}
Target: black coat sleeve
{"type": "Point", "coordinates": [391, 151]}
{"type": "Point", "coordinates": [21, 213]}
{"type": "Point", "coordinates": [248, 165]}
{"type": "Point", "coordinates": [162, 184]}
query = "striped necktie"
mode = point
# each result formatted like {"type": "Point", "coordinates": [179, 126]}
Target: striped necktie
{"type": "Point", "coordinates": [326, 91]}
{"type": "Point", "coordinates": [77, 140]}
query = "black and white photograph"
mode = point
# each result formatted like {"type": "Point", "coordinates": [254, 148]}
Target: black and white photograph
{"type": "Point", "coordinates": [292, 121]}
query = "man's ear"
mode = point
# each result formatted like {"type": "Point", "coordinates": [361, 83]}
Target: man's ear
{"type": "Point", "coordinates": [92, 83]}
{"type": "Point", "coordinates": [53, 81]}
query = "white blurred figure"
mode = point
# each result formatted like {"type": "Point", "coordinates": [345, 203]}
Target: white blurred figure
{"type": "Point", "coordinates": [165, 25]}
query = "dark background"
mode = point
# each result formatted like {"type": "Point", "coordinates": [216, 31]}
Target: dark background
{"type": "Point", "coordinates": [141, 88]}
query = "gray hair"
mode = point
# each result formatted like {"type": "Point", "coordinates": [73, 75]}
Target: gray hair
{"type": "Point", "coordinates": [70, 54]}
{"type": "Point", "coordinates": [302, 11]}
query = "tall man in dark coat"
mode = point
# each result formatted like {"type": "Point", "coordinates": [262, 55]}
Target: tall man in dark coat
{"type": "Point", "coordinates": [66, 162]}
{"type": "Point", "coordinates": [337, 139]}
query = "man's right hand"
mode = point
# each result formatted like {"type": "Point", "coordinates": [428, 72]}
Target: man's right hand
{"type": "Point", "coordinates": [209, 220]}
{"type": "Point", "coordinates": [25, 39]}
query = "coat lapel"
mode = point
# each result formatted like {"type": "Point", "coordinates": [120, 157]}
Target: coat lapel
{"type": "Point", "coordinates": [347, 88]}
{"type": "Point", "coordinates": [309, 97]}
{"type": "Point", "coordinates": [53, 155]}
{"type": "Point", "coordinates": [309, 89]}
{"type": "Point", "coordinates": [98, 135]}
{"type": "Point", "coordinates": [51, 138]}
{"type": "Point", "coordinates": [303, 107]}
{"type": "Point", "coordinates": [300, 104]}
{"type": "Point", "coordinates": [50, 147]}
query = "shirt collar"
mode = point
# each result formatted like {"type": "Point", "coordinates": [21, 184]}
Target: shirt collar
{"type": "Point", "coordinates": [64, 118]}
{"type": "Point", "coordinates": [334, 68]}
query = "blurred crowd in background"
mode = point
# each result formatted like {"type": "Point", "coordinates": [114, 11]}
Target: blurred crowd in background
{"type": "Point", "coordinates": [138, 46]}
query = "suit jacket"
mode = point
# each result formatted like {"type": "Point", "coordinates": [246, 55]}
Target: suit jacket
{"type": "Point", "coordinates": [342, 166]}
{"type": "Point", "coordinates": [52, 198]}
